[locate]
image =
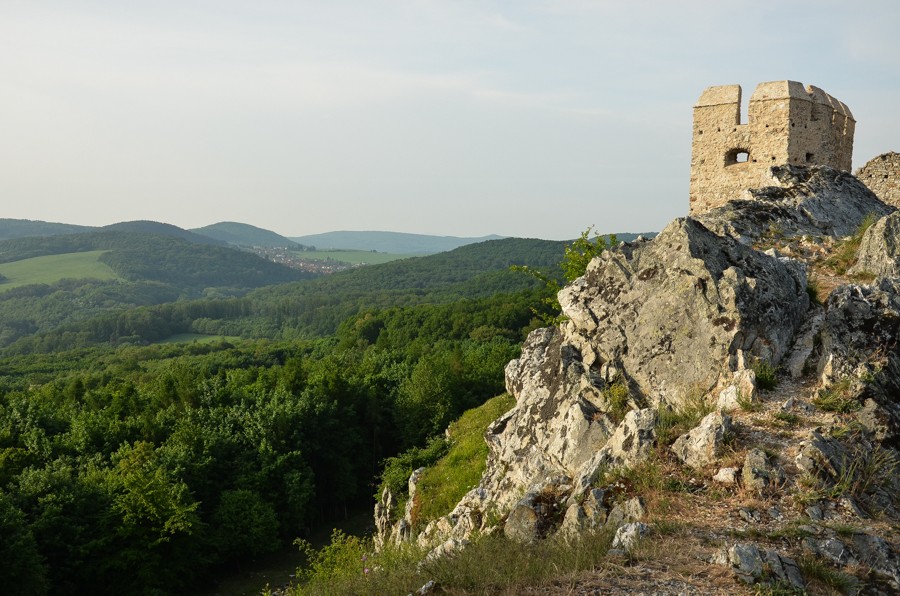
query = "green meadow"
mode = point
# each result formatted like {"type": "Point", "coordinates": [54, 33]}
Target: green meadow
{"type": "Point", "coordinates": [52, 268]}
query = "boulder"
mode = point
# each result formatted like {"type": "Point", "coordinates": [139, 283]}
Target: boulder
{"type": "Point", "coordinates": [704, 444]}
{"type": "Point", "coordinates": [673, 315]}
{"type": "Point", "coordinates": [588, 515]}
{"type": "Point", "coordinates": [631, 444]}
{"type": "Point", "coordinates": [727, 476]}
{"type": "Point", "coordinates": [879, 250]}
{"type": "Point", "coordinates": [631, 510]}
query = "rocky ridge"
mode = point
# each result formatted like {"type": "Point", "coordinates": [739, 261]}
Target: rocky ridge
{"type": "Point", "coordinates": [695, 322]}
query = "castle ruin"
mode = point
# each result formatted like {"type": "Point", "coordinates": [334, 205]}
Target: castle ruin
{"type": "Point", "coordinates": [882, 175]}
{"type": "Point", "coordinates": [786, 124]}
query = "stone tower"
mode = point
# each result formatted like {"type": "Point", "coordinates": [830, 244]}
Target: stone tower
{"type": "Point", "coordinates": [787, 124]}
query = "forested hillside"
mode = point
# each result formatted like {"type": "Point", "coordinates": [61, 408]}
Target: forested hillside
{"type": "Point", "coordinates": [155, 269]}
{"type": "Point", "coordinates": [22, 228]}
{"type": "Point", "coordinates": [130, 468]}
{"type": "Point", "coordinates": [308, 309]}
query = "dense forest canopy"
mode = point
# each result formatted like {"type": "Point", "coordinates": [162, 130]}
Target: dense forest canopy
{"type": "Point", "coordinates": [133, 467]}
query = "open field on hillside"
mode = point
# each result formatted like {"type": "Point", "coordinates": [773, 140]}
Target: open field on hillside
{"type": "Point", "coordinates": [354, 257]}
{"type": "Point", "coordinates": [52, 268]}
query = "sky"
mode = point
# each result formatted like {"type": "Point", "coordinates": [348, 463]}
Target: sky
{"type": "Point", "coordinates": [448, 117]}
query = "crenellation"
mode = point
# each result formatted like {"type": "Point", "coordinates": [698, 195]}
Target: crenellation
{"type": "Point", "coordinates": [786, 123]}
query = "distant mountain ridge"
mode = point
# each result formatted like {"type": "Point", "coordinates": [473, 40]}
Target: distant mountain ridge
{"type": "Point", "coordinates": [391, 242]}
{"type": "Point", "coordinates": [26, 228]}
{"type": "Point", "coordinates": [247, 236]}
{"type": "Point", "coordinates": [241, 234]}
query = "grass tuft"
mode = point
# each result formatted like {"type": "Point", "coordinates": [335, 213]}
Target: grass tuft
{"type": "Point", "coordinates": [824, 579]}
{"type": "Point", "coordinates": [837, 398]}
{"type": "Point", "coordinates": [766, 379]}
{"type": "Point", "coordinates": [845, 253]}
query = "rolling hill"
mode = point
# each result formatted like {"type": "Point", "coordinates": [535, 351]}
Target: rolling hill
{"type": "Point", "coordinates": [23, 228]}
{"type": "Point", "coordinates": [392, 242]}
{"type": "Point", "coordinates": [240, 234]}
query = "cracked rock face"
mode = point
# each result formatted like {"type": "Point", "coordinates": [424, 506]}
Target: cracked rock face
{"type": "Point", "coordinates": [669, 319]}
{"type": "Point", "coordinates": [879, 250]}
{"type": "Point", "coordinates": [673, 315]}
{"type": "Point", "coordinates": [813, 201]}
{"type": "Point", "coordinates": [859, 342]}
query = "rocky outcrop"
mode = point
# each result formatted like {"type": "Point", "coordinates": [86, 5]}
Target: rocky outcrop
{"type": "Point", "coordinates": [664, 324]}
{"type": "Point", "coordinates": [752, 565]}
{"type": "Point", "coordinates": [666, 319]}
{"type": "Point", "coordinates": [802, 201]}
{"type": "Point", "coordinates": [879, 250]}
{"type": "Point", "coordinates": [859, 355]}
{"type": "Point", "coordinates": [677, 316]}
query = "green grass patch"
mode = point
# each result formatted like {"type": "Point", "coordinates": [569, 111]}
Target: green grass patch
{"type": "Point", "coordinates": [837, 398]}
{"type": "Point", "coordinates": [52, 268]}
{"type": "Point", "coordinates": [490, 565]}
{"type": "Point", "coordinates": [673, 422]}
{"type": "Point", "coordinates": [822, 578]}
{"type": "Point", "coordinates": [766, 379]}
{"type": "Point", "coordinates": [354, 257]}
{"type": "Point", "coordinates": [845, 253]}
{"type": "Point", "coordinates": [442, 485]}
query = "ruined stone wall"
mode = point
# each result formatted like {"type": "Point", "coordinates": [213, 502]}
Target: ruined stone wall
{"type": "Point", "coordinates": [787, 124]}
{"type": "Point", "coordinates": [882, 176]}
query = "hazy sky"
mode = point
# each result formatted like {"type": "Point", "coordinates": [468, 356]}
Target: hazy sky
{"type": "Point", "coordinates": [520, 118]}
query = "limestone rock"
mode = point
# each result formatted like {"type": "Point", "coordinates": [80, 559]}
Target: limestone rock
{"type": "Point", "coordinates": [666, 318]}
{"type": "Point", "coordinates": [704, 444]}
{"type": "Point", "coordinates": [784, 568]}
{"type": "Point", "coordinates": [586, 516]}
{"type": "Point", "coordinates": [759, 473]}
{"type": "Point", "coordinates": [858, 349]}
{"type": "Point", "coordinates": [876, 553]}
{"type": "Point", "coordinates": [631, 510]}
{"type": "Point", "coordinates": [822, 457]}
{"type": "Point", "coordinates": [672, 314]}
{"type": "Point", "coordinates": [753, 565]}
{"type": "Point", "coordinates": [802, 201]}
{"type": "Point", "coordinates": [630, 444]}
{"type": "Point", "coordinates": [627, 536]}
{"type": "Point", "coordinates": [384, 509]}
{"type": "Point", "coordinates": [742, 388]}
{"type": "Point", "coordinates": [727, 476]}
{"type": "Point", "coordinates": [879, 251]}
{"type": "Point", "coordinates": [527, 521]}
